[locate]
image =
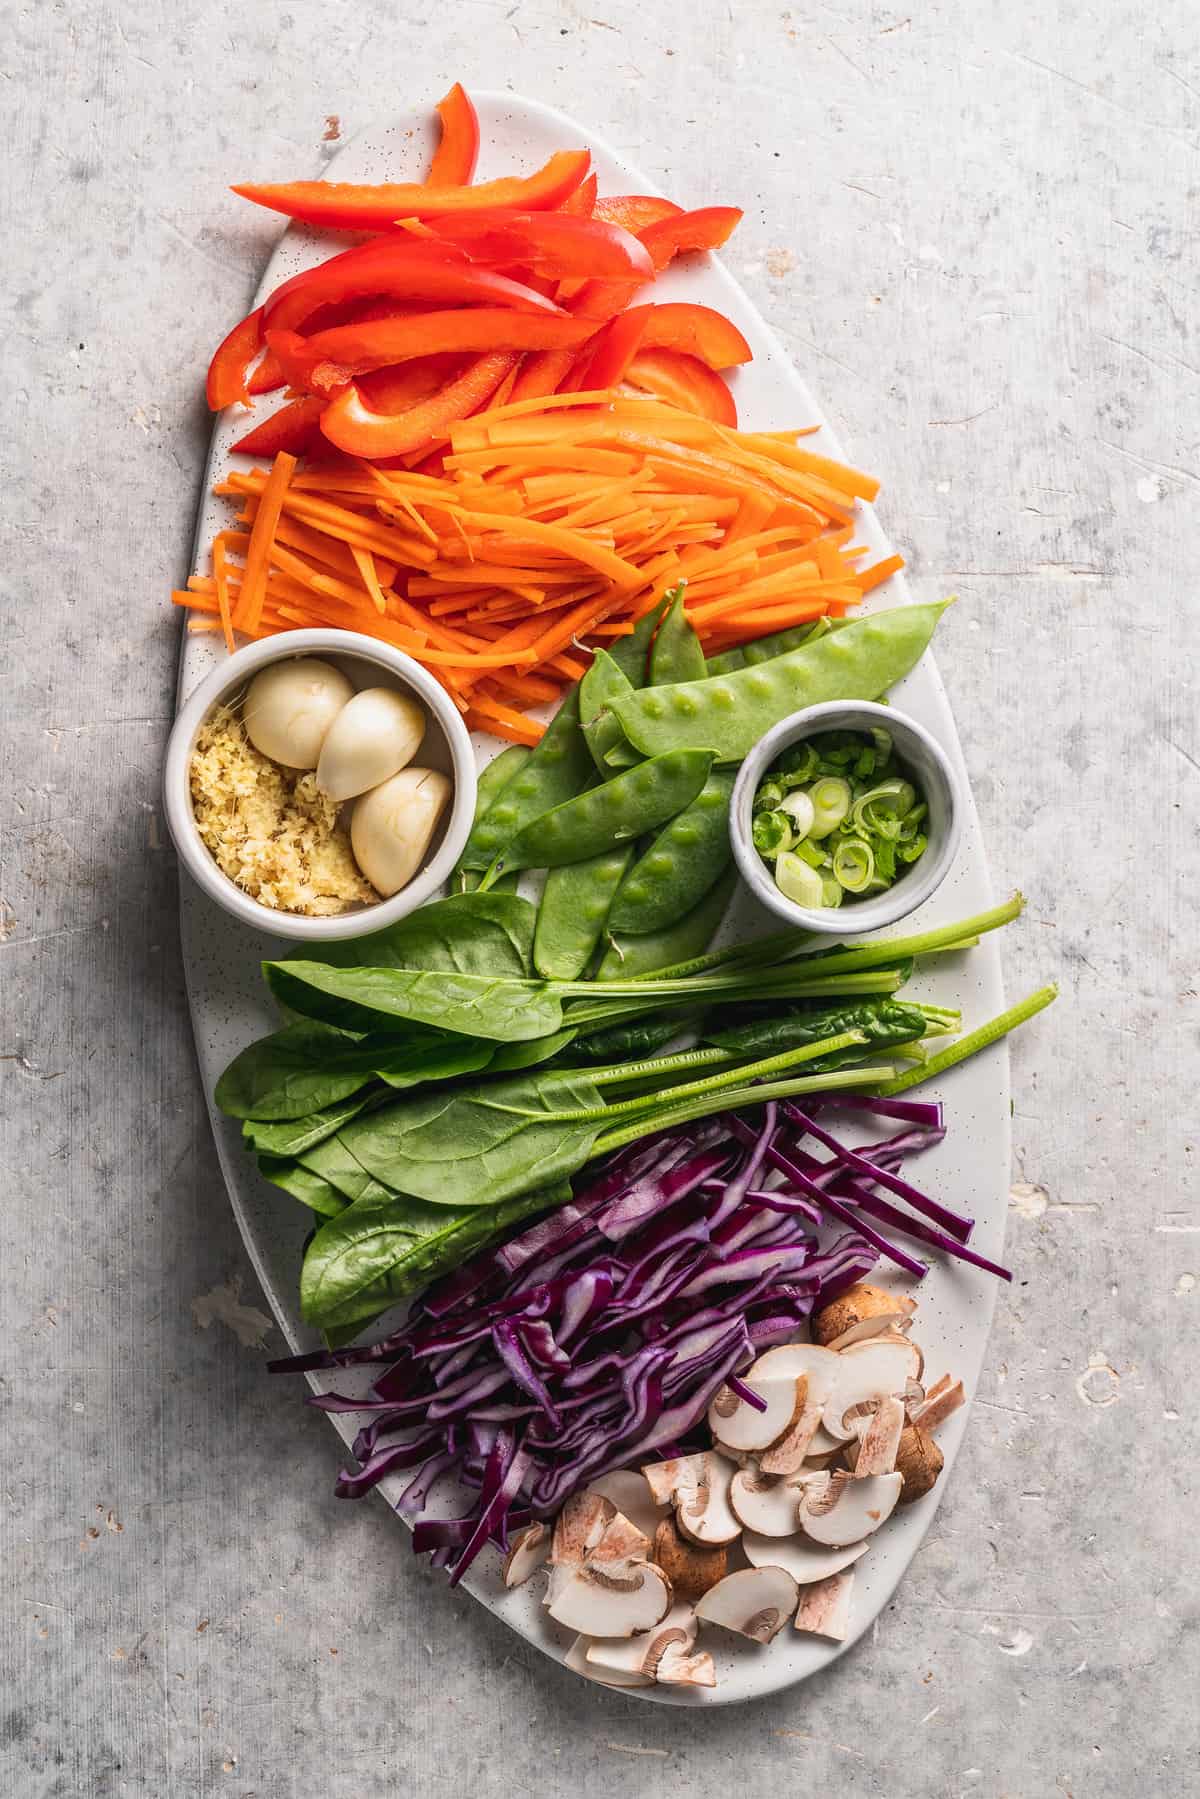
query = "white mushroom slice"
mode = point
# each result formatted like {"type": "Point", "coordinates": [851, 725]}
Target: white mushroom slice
{"type": "Point", "coordinates": [614, 1601]}
{"type": "Point", "coordinates": [683, 1668]}
{"type": "Point", "coordinates": [578, 1528]}
{"type": "Point", "coordinates": [576, 1660]}
{"type": "Point", "coordinates": [698, 1486]}
{"type": "Point", "coordinates": [860, 1312]}
{"type": "Point", "coordinates": [627, 1490]}
{"type": "Point", "coordinates": [621, 1542]}
{"type": "Point", "coordinates": [847, 1510]}
{"type": "Point", "coordinates": [825, 1606]}
{"type": "Point", "coordinates": [530, 1548]}
{"type": "Point", "coordinates": [736, 1424]}
{"type": "Point", "coordinates": [880, 1440]}
{"type": "Point", "coordinates": [805, 1562]}
{"type": "Point", "coordinates": [936, 1411]}
{"type": "Point", "coordinates": [939, 1386]}
{"type": "Point", "coordinates": [754, 1602]}
{"type": "Point", "coordinates": [790, 1360]}
{"type": "Point", "coordinates": [822, 1444]}
{"type": "Point", "coordinates": [765, 1503]}
{"type": "Point", "coordinates": [867, 1371]}
{"type": "Point", "coordinates": [789, 1452]}
{"type": "Point", "coordinates": [643, 1653]}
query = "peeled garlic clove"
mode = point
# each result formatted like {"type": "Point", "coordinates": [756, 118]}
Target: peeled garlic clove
{"type": "Point", "coordinates": [290, 706]}
{"type": "Point", "coordinates": [372, 738]}
{"type": "Point", "coordinates": [391, 827]}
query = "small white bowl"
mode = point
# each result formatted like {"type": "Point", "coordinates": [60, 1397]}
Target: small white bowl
{"type": "Point", "coordinates": [367, 663]}
{"type": "Point", "coordinates": [932, 774]}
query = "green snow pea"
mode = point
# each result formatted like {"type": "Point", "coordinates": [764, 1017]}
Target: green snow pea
{"type": "Point", "coordinates": [629, 957]}
{"type": "Point", "coordinates": [609, 815]}
{"type": "Point", "coordinates": [630, 652]}
{"type": "Point", "coordinates": [686, 858]}
{"type": "Point", "coordinates": [492, 782]}
{"type": "Point", "coordinates": [727, 714]}
{"type": "Point", "coordinates": [555, 771]}
{"type": "Point", "coordinates": [676, 655]}
{"type": "Point", "coordinates": [571, 917]}
{"type": "Point", "coordinates": [599, 690]}
{"type": "Point", "coordinates": [763, 649]}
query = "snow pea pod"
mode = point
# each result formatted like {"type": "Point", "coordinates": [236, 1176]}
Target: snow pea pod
{"type": "Point", "coordinates": [687, 856]}
{"type": "Point", "coordinates": [604, 684]}
{"type": "Point", "coordinates": [727, 714]}
{"type": "Point", "coordinates": [630, 652]}
{"type": "Point", "coordinates": [676, 654]}
{"type": "Point", "coordinates": [575, 903]}
{"type": "Point", "coordinates": [762, 649]}
{"type": "Point", "coordinates": [629, 957]}
{"type": "Point", "coordinates": [609, 815]}
{"type": "Point", "coordinates": [556, 770]}
{"type": "Point", "coordinates": [493, 780]}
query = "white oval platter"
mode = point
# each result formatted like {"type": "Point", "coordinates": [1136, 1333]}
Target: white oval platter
{"type": "Point", "coordinates": [230, 1008]}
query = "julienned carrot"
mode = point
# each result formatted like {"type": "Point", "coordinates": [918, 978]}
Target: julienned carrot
{"type": "Point", "coordinates": [868, 578]}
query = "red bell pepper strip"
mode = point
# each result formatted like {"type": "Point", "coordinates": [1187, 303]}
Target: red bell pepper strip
{"type": "Point", "coordinates": [351, 207]}
{"type": "Point", "coordinates": [294, 428]}
{"type": "Point", "coordinates": [635, 211]}
{"type": "Point", "coordinates": [697, 331]}
{"type": "Point", "coordinates": [402, 266]}
{"type": "Point", "coordinates": [353, 427]}
{"type": "Point", "coordinates": [541, 373]}
{"type": "Point", "coordinates": [458, 149]}
{"type": "Point", "coordinates": [582, 203]}
{"type": "Point", "coordinates": [394, 389]}
{"type": "Point", "coordinates": [706, 229]}
{"type": "Point", "coordinates": [552, 243]}
{"type": "Point", "coordinates": [267, 376]}
{"type": "Point", "coordinates": [604, 363]}
{"type": "Point", "coordinates": [328, 359]}
{"type": "Point", "coordinates": [683, 381]}
{"type": "Point", "coordinates": [228, 368]}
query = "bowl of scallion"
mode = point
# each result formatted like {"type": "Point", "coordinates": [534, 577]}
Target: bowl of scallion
{"type": "Point", "coordinates": [845, 817]}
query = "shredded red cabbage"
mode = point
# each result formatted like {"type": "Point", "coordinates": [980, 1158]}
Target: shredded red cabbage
{"type": "Point", "coordinates": [595, 1338]}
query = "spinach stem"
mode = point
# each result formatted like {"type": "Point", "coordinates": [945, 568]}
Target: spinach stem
{"type": "Point", "coordinates": [987, 1034]}
{"type": "Point", "coordinates": [731, 1099]}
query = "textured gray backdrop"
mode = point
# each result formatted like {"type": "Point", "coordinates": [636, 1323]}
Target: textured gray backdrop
{"type": "Point", "coordinates": [976, 229]}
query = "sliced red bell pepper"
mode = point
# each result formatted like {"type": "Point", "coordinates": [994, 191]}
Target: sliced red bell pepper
{"type": "Point", "coordinates": [541, 373]}
{"type": "Point", "coordinates": [351, 207]}
{"type": "Point", "coordinates": [404, 267]}
{"type": "Point", "coordinates": [394, 389]}
{"type": "Point", "coordinates": [353, 427]}
{"type": "Point", "coordinates": [604, 363]}
{"type": "Point", "coordinates": [267, 376]}
{"type": "Point", "coordinates": [697, 331]}
{"type": "Point", "coordinates": [328, 359]}
{"type": "Point", "coordinates": [228, 369]}
{"type": "Point", "coordinates": [294, 428]}
{"type": "Point", "coordinates": [635, 211]}
{"type": "Point", "coordinates": [582, 203]}
{"type": "Point", "coordinates": [458, 149]}
{"type": "Point", "coordinates": [552, 243]}
{"type": "Point", "coordinates": [683, 381]}
{"type": "Point", "coordinates": [706, 229]}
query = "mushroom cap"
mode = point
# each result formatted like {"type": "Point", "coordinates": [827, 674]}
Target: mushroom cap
{"type": "Point", "coordinates": [691, 1568]}
{"type": "Point", "coordinates": [626, 1489]}
{"type": "Point", "coordinates": [754, 1602]}
{"type": "Point", "coordinates": [614, 1601]}
{"type": "Point", "coordinates": [767, 1504]}
{"type": "Point", "coordinates": [735, 1424]}
{"type": "Point", "coordinates": [847, 1510]}
{"type": "Point", "coordinates": [919, 1461]}
{"type": "Point", "coordinates": [804, 1560]}
{"type": "Point", "coordinates": [860, 1312]}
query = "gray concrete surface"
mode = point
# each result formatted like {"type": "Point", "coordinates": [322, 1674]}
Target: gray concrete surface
{"type": "Point", "coordinates": [976, 229]}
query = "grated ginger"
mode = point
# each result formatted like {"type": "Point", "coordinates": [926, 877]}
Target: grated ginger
{"type": "Point", "coordinates": [271, 829]}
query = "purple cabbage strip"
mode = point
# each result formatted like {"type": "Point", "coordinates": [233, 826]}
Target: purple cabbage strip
{"type": "Point", "coordinates": [953, 1223]}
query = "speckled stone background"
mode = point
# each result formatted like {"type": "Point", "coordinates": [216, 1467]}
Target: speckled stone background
{"type": "Point", "coordinates": [976, 228]}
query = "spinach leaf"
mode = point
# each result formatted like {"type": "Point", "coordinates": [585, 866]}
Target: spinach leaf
{"type": "Point", "coordinates": [471, 1005]}
{"type": "Point", "coordinates": [337, 1165]}
{"type": "Point", "coordinates": [291, 1136]}
{"type": "Point", "coordinates": [480, 1144]}
{"type": "Point", "coordinates": [469, 933]}
{"type": "Point", "coordinates": [303, 1185]}
{"type": "Point", "coordinates": [513, 1056]}
{"type": "Point", "coordinates": [295, 1071]}
{"type": "Point", "coordinates": [884, 1022]}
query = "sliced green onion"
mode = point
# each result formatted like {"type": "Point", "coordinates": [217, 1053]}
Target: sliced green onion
{"type": "Point", "coordinates": [831, 891]}
{"type": "Point", "coordinates": [769, 796]}
{"type": "Point", "coordinates": [772, 833]}
{"type": "Point", "coordinates": [910, 852]}
{"type": "Point", "coordinates": [799, 809]}
{"type": "Point", "coordinates": [830, 802]}
{"type": "Point", "coordinates": [813, 855]}
{"type": "Point", "coordinates": [883, 742]}
{"type": "Point", "coordinates": [854, 864]}
{"type": "Point", "coordinates": [798, 882]}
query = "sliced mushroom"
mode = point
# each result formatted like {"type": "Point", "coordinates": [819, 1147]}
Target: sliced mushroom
{"type": "Point", "coordinates": [627, 1490]}
{"type": "Point", "coordinates": [880, 1440]}
{"type": "Point", "coordinates": [578, 1528]}
{"type": "Point", "coordinates": [861, 1311]}
{"type": "Point", "coordinates": [576, 1660]}
{"type": "Point", "coordinates": [698, 1486]}
{"type": "Point", "coordinates": [789, 1452]}
{"type": "Point", "coordinates": [825, 1606]}
{"type": "Point", "coordinates": [847, 1510]}
{"type": "Point", "coordinates": [530, 1548]}
{"type": "Point", "coordinates": [936, 1410]}
{"type": "Point", "coordinates": [736, 1424]}
{"type": "Point", "coordinates": [805, 1561]}
{"type": "Point", "coordinates": [919, 1461]}
{"type": "Point", "coordinates": [615, 1601]}
{"type": "Point", "coordinates": [754, 1602]}
{"type": "Point", "coordinates": [643, 1653]}
{"type": "Point", "coordinates": [789, 1360]}
{"type": "Point", "coordinates": [684, 1668]}
{"type": "Point", "coordinates": [691, 1569]}
{"type": "Point", "coordinates": [867, 1372]}
{"type": "Point", "coordinates": [620, 1542]}
{"type": "Point", "coordinates": [768, 1504]}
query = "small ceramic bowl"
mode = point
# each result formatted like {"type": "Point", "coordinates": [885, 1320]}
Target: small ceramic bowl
{"type": "Point", "coordinates": [932, 773]}
{"type": "Point", "coordinates": [367, 663]}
